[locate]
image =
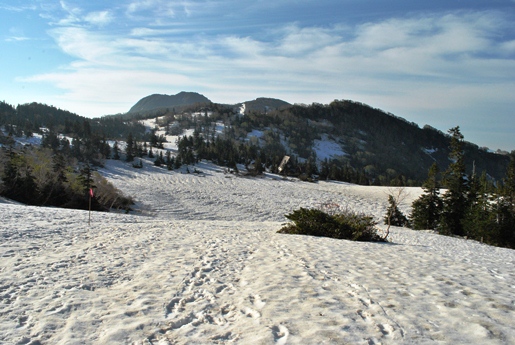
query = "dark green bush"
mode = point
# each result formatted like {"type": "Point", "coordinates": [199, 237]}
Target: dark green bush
{"type": "Point", "coordinates": [342, 225]}
{"type": "Point", "coordinates": [394, 216]}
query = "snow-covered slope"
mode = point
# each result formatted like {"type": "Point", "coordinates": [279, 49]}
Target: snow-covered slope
{"type": "Point", "coordinates": [200, 262]}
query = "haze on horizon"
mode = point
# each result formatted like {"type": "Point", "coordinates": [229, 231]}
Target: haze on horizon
{"type": "Point", "coordinates": [443, 63]}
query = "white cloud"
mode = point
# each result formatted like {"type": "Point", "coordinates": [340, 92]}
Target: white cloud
{"type": "Point", "coordinates": [508, 47]}
{"type": "Point", "coordinates": [17, 39]}
{"type": "Point", "coordinates": [16, 35]}
{"type": "Point", "coordinates": [96, 92]}
{"type": "Point", "coordinates": [142, 32]}
{"type": "Point", "coordinates": [99, 18]}
{"type": "Point", "coordinates": [140, 5]}
{"type": "Point", "coordinates": [76, 17]}
{"type": "Point", "coordinates": [159, 9]}
{"type": "Point", "coordinates": [84, 45]}
{"type": "Point", "coordinates": [422, 47]}
{"type": "Point", "coordinates": [18, 8]}
{"type": "Point", "coordinates": [298, 41]}
{"type": "Point", "coordinates": [72, 14]}
{"type": "Point", "coordinates": [410, 66]}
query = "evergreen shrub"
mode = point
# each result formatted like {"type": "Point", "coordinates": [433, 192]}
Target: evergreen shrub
{"type": "Point", "coordinates": [394, 216]}
{"type": "Point", "coordinates": [344, 224]}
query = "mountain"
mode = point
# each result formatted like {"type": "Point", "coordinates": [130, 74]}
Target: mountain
{"type": "Point", "coordinates": [348, 141]}
{"type": "Point", "coordinates": [344, 140]}
{"type": "Point", "coordinates": [263, 104]}
{"type": "Point", "coordinates": [157, 101]}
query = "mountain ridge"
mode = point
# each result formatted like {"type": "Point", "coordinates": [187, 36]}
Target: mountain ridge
{"type": "Point", "coordinates": [159, 101]}
{"type": "Point", "coordinates": [366, 145]}
{"type": "Point", "coordinates": [265, 104]}
{"type": "Point", "coordinates": [155, 102]}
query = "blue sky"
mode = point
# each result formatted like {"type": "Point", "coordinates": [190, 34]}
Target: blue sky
{"type": "Point", "coordinates": [443, 63]}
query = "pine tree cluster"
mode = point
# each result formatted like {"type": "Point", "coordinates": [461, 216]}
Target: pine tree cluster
{"type": "Point", "coordinates": [39, 176]}
{"type": "Point", "coordinates": [471, 206]}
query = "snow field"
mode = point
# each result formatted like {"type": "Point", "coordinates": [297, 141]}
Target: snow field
{"type": "Point", "coordinates": [200, 262]}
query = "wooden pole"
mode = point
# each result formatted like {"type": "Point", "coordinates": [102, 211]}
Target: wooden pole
{"type": "Point", "coordinates": [89, 219]}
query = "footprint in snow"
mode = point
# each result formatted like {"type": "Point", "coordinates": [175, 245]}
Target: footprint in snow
{"type": "Point", "coordinates": [252, 313]}
{"type": "Point", "coordinates": [281, 334]}
{"type": "Point", "coordinates": [386, 329]}
{"type": "Point", "coordinates": [257, 302]}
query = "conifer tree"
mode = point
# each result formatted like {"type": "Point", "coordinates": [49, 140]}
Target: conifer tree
{"type": "Point", "coordinates": [10, 174]}
{"type": "Point", "coordinates": [65, 146]}
{"type": "Point", "coordinates": [153, 138]}
{"type": "Point", "coordinates": [258, 166]}
{"type": "Point", "coordinates": [51, 140]}
{"type": "Point", "coordinates": [76, 148]}
{"type": "Point", "coordinates": [138, 149]}
{"type": "Point", "coordinates": [86, 178]}
{"type": "Point", "coordinates": [426, 210]}
{"type": "Point", "coordinates": [171, 165]}
{"type": "Point", "coordinates": [53, 189]}
{"type": "Point", "coordinates": [479, 222]}
{"type": "Point", "coordinates": [116, 151]}
{"type": "Point", "coordinates": [59, 167]}
{"type": "Point", "coordinates": [159, 159]}
{"type": "Point", "coordinates": [455, 200]}
{"type": "Point", "coordinates": [168, 156]}
{"type": "Point", "coordinates": [177, 164]}
{"type": "Point", "coordinates": [324, 169]}
{"type": "Point", "coordinates": [508, 190]}
{"type": "Point", "coordinates": [394, 216]}
{"type": "Point", "coordinates": [506, 207]}
{"type": "Point", "coordinates": [18, 181]}
{"type": "Point", "coordinates": [129, 151]}
{"type": "Point", "coordinates": [105, 149]}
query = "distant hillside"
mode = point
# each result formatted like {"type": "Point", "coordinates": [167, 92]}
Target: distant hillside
{"type": "Point", "coordinates": [154, 102]}
{"type": "Point", "coordinates": [385, 146]}
{"type": "Point", "coordinates": [263, 104]}
{"type": "Point", "coordinates": [160, 105]}
{"type": "Point", "coordinates": [346, 140]}
{"type": "Point", "coordinates": [343, 140]}
{"type": "Point", "coordinates": [30, 118]}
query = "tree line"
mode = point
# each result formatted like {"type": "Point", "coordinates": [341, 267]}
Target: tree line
{"type": "Point", "coordinates": [30, 118]}
{"type": "Point", "coordinates": [379, 148]}
{"type": "Point", "coordinates": [43, 177]}
{"type": "Point", "coordinates": [63, 169]}
{"type": "Point", "coordinates": [472, 205]}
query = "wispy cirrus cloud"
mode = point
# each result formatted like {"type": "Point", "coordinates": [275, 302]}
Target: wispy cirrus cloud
{"type": "Point", "coordinates": [408, 65]}
{"type": "Point", "coordinates": [436, 47]}
{"type": "Point", "coordinates": [156, 9]}
{"type": "Point", "coordinates": [68, 14]}
{"type": "Point", "coordinates": [100, 18]}
{"type": "Point", "coordinates": [18, 8]}
{"type": "Point", "coordinates": [16, 35]}
{"type": "Point", "coordinates": [16, 39]}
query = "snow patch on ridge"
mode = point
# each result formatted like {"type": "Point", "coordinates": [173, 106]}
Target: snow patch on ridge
{"type": "Point", "coordinates": [327, 148]}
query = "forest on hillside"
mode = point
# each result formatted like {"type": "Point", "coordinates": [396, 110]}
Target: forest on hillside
{"type": "Point", "coordinates": [379, 149]}
{"type": "Point", "coordinates": [62, 170]}
{"type": "Point", "coordinates": [30, 118]}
